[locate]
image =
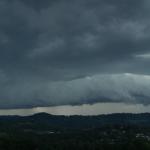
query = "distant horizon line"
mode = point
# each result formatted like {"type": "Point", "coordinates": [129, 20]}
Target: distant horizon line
{"type": "Point", "coordinates": [85, 110]}
{"type": "Point", "coordinates": [109, 114]}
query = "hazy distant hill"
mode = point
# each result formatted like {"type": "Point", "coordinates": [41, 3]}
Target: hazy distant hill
{"type": "Point", "coordinates": [46, 121]}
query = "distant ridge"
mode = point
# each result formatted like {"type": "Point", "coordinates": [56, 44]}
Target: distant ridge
{"type": "Point", "coordinates": [44, 114]}
{"type": "Point", "coordinates": [47, 121]}
{"type": "Point", "coordinates": [41, 114]}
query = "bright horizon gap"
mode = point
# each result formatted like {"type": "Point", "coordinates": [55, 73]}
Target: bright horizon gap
{"type": "Point", "coordinates": [86, 109]}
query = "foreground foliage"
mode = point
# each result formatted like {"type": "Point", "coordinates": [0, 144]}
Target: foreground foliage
{"type": "Point", "coordinates": [46, 132]}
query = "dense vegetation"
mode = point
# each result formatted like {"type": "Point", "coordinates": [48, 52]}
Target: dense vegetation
{"type": "Point", "coordinates": [48, 132]}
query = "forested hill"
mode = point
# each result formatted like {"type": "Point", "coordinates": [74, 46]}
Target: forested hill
{"type": "Point", "coordinates": [49, 132]}
{"type": "Point", "coordinates": [47, 121]}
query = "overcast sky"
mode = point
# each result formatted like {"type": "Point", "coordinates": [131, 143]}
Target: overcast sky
{"type": "Point", "coordinates": [74, 52]}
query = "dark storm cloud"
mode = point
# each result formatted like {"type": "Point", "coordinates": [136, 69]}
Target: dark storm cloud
{"type": "Point", "coordinates": [50, 47]}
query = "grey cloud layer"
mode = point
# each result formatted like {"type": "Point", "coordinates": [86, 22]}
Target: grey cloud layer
{"type": "Point", "coordinates": [128, 88]}
{"type": "Point", "coordinates": [46, 45]}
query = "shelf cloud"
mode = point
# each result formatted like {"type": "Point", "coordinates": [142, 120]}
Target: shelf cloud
{"type": "Point", "coordinates": [68, 52]}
